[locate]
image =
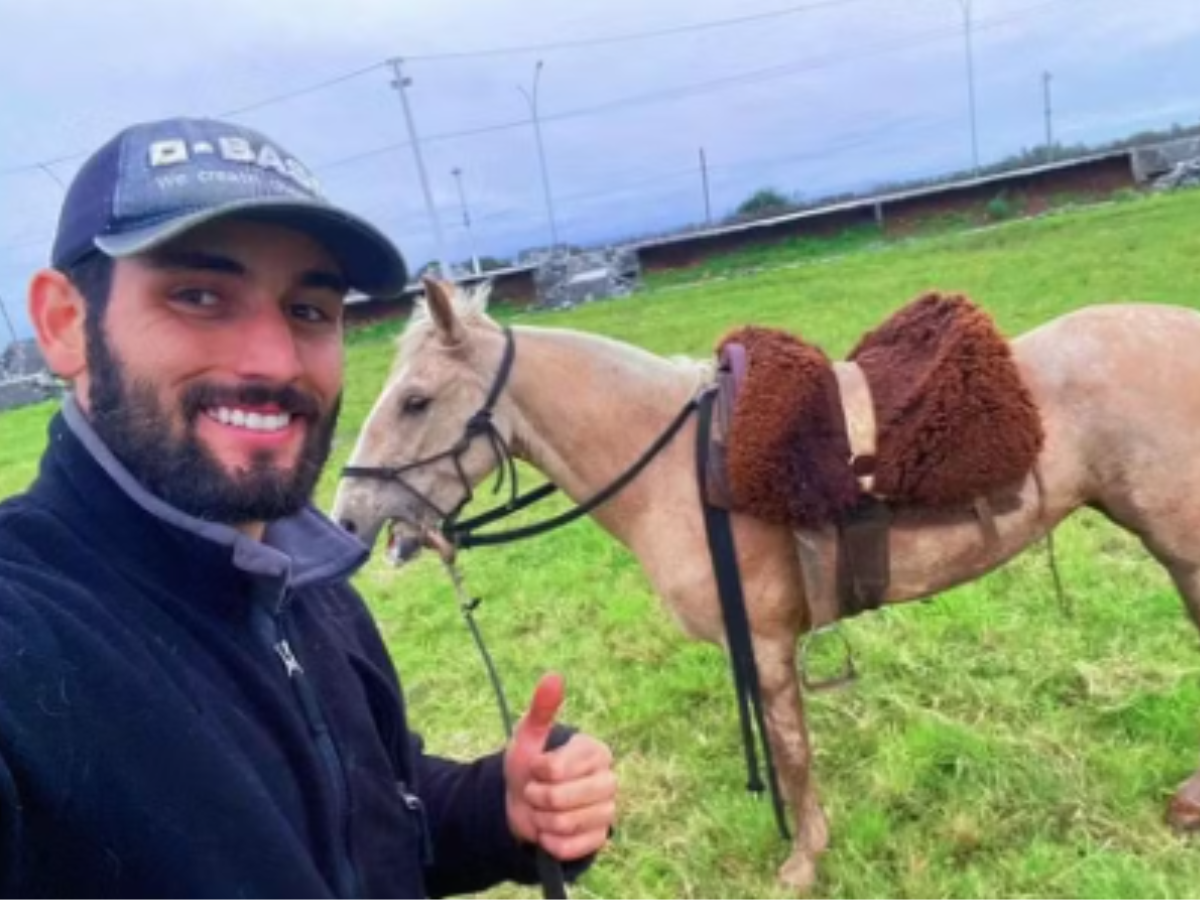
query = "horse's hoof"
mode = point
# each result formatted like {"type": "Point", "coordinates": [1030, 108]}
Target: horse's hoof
{"type": "Point", "coordinates": [799, 872]}
{"type": "Point", "coordinates": [1183, 813]}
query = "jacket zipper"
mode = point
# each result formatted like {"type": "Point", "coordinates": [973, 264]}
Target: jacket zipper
{"type": "Point", "coordinates": [347, 879]}
{"type": "Point", "coordinates": [414, 805]}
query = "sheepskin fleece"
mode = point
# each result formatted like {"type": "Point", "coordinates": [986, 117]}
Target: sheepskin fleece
{"type": "Point", "coordinates": [955, 420]}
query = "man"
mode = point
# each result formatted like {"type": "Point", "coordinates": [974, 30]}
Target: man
{"type": "Point", "coordinates": [193, 700]}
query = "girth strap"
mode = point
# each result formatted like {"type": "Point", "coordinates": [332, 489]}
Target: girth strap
{"type": "Point", "coordinates": [723, 553]}
{"type": "Point", "coordinates": [864, 561]}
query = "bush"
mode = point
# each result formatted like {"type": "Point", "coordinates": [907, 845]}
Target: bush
{"type": "Point", "coordinates": [764, 202]}
{"type": "Point", "coordinates": [1001, 207]}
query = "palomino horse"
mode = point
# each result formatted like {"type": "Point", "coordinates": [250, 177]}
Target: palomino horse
{"type": "Point", "coordinates": [1118, 389]}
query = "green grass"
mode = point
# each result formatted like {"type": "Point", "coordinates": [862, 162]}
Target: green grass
{"type": "Point", "coordinates": [993, 745]}
{"type": "Point", "coordinates": [22, 437]}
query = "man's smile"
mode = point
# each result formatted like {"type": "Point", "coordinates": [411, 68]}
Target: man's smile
{"type": "Point", "coordinates": [249, 419]}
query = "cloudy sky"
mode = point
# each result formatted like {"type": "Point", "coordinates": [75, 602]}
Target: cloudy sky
{"type": "Point", "coordinates": [808, 97]}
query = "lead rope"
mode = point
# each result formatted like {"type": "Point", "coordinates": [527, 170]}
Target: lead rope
{"type": "Point", "coordinates": [549, 869]}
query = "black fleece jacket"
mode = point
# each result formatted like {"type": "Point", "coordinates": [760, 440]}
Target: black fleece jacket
{"type": "Point", "coordinates": [188, 712]}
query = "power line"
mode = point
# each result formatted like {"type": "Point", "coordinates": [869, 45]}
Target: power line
{"type": "Point", "coordinates": [753, 77]}
{"type": "Point", "coordinates": [300, 92]}
{"type": "Point", "coordinates": [583, 42]}
{"type": "Point", "coordinates": [703, 87]}
{"type": "Point", "coordinates": [230, 113]}
{"type": "Point", "coordinates": [786, 69]}
{"type": "Point", "coordinates": [34, 166]}
{"type": "Point", "coordinates": [634, 36]}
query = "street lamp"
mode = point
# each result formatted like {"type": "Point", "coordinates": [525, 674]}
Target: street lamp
{"type": "Point", "coordinates": [462, 197]}
{"type": "Point", "coordinates": [537, 131]}
{"type": "Point", "coordinates": [966, 8]}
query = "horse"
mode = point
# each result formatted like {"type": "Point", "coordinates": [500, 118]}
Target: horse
{"type": "Point", "coordinates": [1117, 388]}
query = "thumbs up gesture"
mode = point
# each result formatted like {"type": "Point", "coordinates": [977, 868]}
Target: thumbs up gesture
{"type": "Point", "coordinates": [563, 799]}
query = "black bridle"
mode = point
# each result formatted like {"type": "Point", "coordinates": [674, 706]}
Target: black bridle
{"type": "Point", "coordinates": [463, 534]}
{"type": "Point", "coordinates": [479, 425]}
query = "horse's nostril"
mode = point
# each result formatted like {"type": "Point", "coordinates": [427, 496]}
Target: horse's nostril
{"type": "Point", "coordinates": [349, 525]}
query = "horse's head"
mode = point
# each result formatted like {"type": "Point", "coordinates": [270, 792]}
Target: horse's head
{"type": "Point", "coordinates": [430, 437]}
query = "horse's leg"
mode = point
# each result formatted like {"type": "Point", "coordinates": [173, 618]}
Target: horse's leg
{"type": "Point", "coordinates": [1172, 535]}
{"type": "Point", "coordinates": [1183, 812]}
{"type": "Point", "coordinates": [788, 734]}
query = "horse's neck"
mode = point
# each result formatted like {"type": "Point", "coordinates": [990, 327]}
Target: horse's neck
{"type": "Point", "coordinates": [587, 408]}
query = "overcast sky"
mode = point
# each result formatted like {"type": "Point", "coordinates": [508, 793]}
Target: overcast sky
{"type": "Point", "coordinates": [808, 97]}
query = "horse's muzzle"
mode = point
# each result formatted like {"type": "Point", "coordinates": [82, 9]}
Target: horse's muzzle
{"type": "Point", "coordinates": [401, 550]}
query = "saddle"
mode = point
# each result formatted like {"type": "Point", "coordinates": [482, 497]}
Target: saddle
{"type": "Point", "coordinates": [928, 411]}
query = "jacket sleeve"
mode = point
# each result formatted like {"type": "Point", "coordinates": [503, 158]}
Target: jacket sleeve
{"type": "Point", "coordinates": [473, 847]}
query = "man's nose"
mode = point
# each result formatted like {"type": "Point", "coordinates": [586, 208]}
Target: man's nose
{"type": "Point", "coordinates": [267, 345]}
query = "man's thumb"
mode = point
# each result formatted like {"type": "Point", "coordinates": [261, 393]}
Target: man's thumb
{"type": "Point", "coordinates": [543, 709]}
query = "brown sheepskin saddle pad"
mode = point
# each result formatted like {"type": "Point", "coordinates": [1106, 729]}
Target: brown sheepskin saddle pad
{"type": "Point", "coordinates": [954, 422]}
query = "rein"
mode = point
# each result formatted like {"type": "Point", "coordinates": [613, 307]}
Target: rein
{"type": "Point", "coordinates": [723, 554]}
{"type": "Point", "coordinates": [550, 870]}
{"type": "Point", "coordinates": [463, 535]}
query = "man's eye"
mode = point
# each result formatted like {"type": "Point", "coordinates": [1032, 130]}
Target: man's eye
{"type": "Point", "coordinates": [199, 297]}
{"type": "Point", "coordinates": [309, 312]}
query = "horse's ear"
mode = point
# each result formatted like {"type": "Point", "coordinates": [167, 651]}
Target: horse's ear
{"type": "Point", "coordinates": [439, 297]}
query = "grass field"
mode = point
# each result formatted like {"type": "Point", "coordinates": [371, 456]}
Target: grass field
{"type": "Point", "coordinates": [994, 745]}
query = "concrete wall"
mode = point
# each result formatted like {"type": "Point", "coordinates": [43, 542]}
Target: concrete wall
{"type": "Point", "coordinates": [1095, 176]}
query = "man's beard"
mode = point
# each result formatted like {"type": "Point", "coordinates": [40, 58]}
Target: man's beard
{"type": "Point", "coordinates": [136, 426]}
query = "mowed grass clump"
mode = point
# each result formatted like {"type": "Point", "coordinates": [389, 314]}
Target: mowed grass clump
{"type": "Point", "coordinates": [999, 741]}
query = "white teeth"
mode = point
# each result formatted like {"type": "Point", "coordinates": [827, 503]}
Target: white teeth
{"type": "Point", "coordinates": [250, 421]}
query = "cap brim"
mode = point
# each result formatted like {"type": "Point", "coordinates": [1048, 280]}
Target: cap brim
{"type": "Point", "coordinates": [370, 262]}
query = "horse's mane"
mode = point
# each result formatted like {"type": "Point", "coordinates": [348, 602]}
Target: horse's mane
{"type": "Point", "coordinates": [470, 306]}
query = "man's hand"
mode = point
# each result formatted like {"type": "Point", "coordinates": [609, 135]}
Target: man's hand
{"type": "Point", "coordinates": [562, 799]}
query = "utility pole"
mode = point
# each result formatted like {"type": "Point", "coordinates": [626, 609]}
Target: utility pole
{"type": "Point", "coordinates": [704, 182]}
{"type": "Point", "coordinates": [537, 132]}
{"type": "Point", "coordinates": [1049, 115]}
{"type": "Point", "coordinates": [966, 8]}
{"type": "Point", "coordinates": [462, 197]}
{"type": "Point", "coordinates": [12, 332]}
{"type": "Point", "coordinates": [400, 83]}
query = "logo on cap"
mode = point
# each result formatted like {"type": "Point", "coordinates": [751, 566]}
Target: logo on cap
{"type": "Point", "coordinates": [233, 149]}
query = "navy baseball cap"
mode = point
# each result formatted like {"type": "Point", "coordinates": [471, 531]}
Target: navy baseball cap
{"type": "Point", "coordinates": [157, 180]}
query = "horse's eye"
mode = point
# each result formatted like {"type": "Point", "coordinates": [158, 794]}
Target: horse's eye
{"type": "Point", "coordinates": [415, 405]}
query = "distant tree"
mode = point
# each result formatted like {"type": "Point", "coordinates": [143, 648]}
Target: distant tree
{"type": "Point", "coordinates": [490, 263]}
{"type": "Point", "coordinates": [763, 202]}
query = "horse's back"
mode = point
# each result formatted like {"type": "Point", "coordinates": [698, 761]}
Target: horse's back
{"type": "Point", "coordinates": [1130, 359]}
{"type": "Point", "coordinates": [1118, 387]}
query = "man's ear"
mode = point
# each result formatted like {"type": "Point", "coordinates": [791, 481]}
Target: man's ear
{"type": "Point", "coordinates": [57, 311]}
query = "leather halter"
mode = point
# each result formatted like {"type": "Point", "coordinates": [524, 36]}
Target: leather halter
{"type": "Point", "coordinates": [480, 424]}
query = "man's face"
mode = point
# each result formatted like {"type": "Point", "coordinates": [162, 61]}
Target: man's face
{"type": "Point", "coordinates": [215, 372]}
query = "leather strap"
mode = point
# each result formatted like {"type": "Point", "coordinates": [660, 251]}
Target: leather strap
{"type": "Point", "coordinates": [859, 410]}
